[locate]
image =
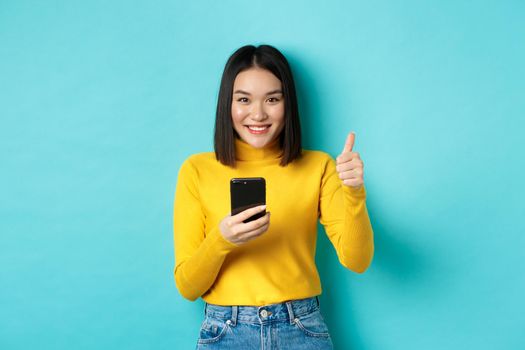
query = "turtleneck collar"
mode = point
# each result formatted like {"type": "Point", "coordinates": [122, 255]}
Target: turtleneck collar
{"type": "Point", "coordinates": [246, 152]}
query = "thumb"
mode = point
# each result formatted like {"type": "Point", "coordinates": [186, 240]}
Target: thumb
{"type": "Point", "coordinates": [349, 143]}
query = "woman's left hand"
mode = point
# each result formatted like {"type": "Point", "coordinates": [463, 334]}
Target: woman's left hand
{"type": "Point", "coordinates": [349, 165]}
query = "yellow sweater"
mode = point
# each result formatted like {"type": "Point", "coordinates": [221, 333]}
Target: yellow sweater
{"type": "Point", "coordinates": [280, 264]}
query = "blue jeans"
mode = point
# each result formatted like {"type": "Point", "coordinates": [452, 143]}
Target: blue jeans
{"type": "Point", "coordinates": [291, 325]}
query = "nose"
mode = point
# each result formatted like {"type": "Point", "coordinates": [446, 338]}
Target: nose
{"type": "Point", "coordinates": [258, 113]}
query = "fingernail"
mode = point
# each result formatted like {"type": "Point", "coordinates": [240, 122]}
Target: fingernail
{"type": "Point", "coordinates": [263, 207]}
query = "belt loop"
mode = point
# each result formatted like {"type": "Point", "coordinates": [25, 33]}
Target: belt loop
{"type": "Point", "coordinates": [235, 310]}
{"type": "Point", "coordinates": [290, 312]}
{"type": "Point", "coordinates": [205, 308]}
{"type": "Point", "coordinates": [317, 299]}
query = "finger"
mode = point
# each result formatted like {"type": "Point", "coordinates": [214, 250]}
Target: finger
{"type": "Point", "coordinates": [353, 164]}
{"type": "Point", "coordinates": [349, 143]}
{"type": "Point", "coordinates": [253, 225]}
{"type": "Point", "coordinates": [356, 183]}
{"type": "Point", "coordinates": [347, 156]}
{"type": "Point", "coordinates": [352, 174]}
{"type": "Point", "coordinates": [248, 236]}
{"type": "Point", "coordinates": [245, 214]}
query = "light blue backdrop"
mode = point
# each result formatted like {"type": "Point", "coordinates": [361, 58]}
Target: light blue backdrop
{"type": "Point", "coordinates": [101, 101]}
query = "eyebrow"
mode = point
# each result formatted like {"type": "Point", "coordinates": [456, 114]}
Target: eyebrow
{"type": "Point", "coordinates": [277, 91]}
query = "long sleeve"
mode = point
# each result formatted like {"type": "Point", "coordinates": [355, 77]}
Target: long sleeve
{"type": "Point", "coordinates": [198, 256]}
{"type": "Point", "coordinates": [344, 215]}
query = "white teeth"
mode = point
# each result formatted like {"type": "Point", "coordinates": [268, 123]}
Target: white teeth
{"type": "Point", "coordinates": [257, 128]}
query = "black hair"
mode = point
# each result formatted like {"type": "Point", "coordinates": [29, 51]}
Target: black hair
{"type": "Point", "coordinates": [269, 58]}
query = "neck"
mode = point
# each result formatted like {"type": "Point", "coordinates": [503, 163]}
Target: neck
{"type": "Point", "coordinates": [246, 152]}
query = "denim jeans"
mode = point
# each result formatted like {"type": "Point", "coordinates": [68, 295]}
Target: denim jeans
{"type": "Point", "coordinates": [291, 325]}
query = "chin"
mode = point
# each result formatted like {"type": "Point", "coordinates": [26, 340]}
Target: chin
{"type": "Point", "coordinates": [257, 142]}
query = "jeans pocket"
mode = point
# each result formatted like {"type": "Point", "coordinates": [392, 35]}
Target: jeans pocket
{"type": "Point", "coordinates": [312, 325]}
{"type": "Point", "coordinates": [212, 330]}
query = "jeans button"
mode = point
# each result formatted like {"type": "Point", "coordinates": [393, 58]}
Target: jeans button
{"type": "Point", "coordinates": [264, 313]}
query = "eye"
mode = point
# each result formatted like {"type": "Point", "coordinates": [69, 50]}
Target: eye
{"type": "Point", "coordinates": [242, 99]}
{"type": "Point", "coordinates": [273, 99]}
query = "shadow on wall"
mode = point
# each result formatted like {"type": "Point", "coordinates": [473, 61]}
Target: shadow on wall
{"type": "Point", "coordinates": [399, 263]}
{"type": "Point", "coordinates": [310, 107]}
{"type": "Point", "coordinates": [398, 266]}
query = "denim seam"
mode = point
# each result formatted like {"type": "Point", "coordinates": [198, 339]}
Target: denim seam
{"type": "Point", "coordinates": [214, 339]}
{"type": "Point", "coordinates": [310, 333]}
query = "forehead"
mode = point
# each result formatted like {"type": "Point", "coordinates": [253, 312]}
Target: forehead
{"type": "Point", "coordinates": [256, 79]}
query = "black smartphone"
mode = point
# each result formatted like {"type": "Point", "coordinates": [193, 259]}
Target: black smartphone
{"type": "Point", "coordinates": [247, 193]}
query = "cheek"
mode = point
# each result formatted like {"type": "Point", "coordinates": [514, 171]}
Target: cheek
{"type": "Point", "coordinates": [238, 116]}
{"type": "Point", "coordinates": [278, 114]}
{"type": "Point", "coordinates": [237, 113]}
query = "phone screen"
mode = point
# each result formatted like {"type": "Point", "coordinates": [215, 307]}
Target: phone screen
{"type": "Point", "coordinates": [247, 193]}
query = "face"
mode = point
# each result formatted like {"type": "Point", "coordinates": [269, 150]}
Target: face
{"type": "Point", "coordinates": [257, 106]}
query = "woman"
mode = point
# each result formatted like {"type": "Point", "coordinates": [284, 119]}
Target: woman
{"type": "Point", "coordinates": [259, 278]}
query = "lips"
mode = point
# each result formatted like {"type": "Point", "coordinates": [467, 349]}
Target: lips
{"type": "Point", "coordinates": [258, 129]}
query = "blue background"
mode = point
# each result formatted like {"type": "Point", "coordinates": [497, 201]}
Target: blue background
{"type": "Point", "coordinates": [101, 101]}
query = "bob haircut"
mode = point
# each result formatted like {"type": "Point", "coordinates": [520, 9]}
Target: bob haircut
{"type": "Point", "coordinates": [264, 57]}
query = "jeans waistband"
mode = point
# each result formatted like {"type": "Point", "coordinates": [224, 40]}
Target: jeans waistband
{"type": "Point", "coordinates": [285, 311]}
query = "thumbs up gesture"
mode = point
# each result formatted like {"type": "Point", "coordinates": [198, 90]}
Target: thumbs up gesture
{"type": "Point", "coordinates": [349, 165]}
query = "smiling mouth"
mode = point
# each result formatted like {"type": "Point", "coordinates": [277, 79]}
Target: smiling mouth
{"type": "Point", "coordinates": [258, 127]}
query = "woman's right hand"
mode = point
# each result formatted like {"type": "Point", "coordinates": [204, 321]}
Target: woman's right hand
{"type": "Point", "coordinates": [236, 231]}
